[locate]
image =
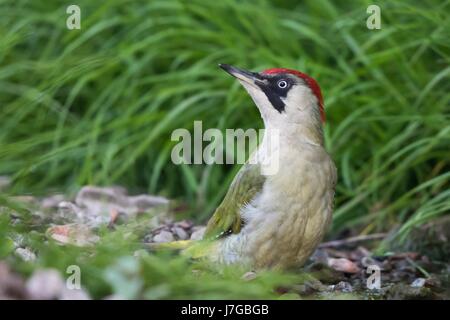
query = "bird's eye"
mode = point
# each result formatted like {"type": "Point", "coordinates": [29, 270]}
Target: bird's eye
{"type": "Point", "coordinates": [282, 84]}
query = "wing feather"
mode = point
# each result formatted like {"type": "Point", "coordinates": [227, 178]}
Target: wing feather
{"type": "Point", "coordinates": [227, 217]}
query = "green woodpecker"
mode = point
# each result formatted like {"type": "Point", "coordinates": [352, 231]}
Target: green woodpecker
{"type": "Point", "coordinates": [276, 219]}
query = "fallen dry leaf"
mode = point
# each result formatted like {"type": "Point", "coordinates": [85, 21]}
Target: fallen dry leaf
{"type": "Point", "coordinates": [113, 215]}
{"type": "Point", "coordinates": [343, 265]}
{"type": "Point", "coordinates": [76, 234]}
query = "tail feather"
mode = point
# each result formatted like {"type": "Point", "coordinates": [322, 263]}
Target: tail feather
{"type": "Point", "coordinates": [174, 245]}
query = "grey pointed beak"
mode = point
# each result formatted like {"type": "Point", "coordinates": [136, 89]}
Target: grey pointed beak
{"type": "Point", "coordinates": [243, 75]}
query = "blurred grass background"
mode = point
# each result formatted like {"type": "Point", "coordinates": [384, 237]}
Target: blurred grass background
{"type": "Point", "coordinates": [98, 105]}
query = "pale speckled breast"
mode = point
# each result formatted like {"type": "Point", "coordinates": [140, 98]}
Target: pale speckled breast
{"type": "Point", "coordinates": [288, 219]}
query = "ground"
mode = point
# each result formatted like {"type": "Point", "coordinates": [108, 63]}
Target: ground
{"type": "Point", "coordinates": [105, 233]}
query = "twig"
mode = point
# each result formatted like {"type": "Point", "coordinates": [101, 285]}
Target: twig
{"type": "Point", "coordinates": [351, 240]}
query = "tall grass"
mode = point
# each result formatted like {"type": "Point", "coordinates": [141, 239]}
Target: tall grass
{"type": "Point", "coordinates": [98, 105]}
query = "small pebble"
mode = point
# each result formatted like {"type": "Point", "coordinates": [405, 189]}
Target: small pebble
{"type": "Point", "coordinates": [198, 234]}
{"type": "Point", "coordinates": [45, 285]}
{"type": "Point", "coordinates": [418, 283]}
{"type": "Point", "coordinates": [180, 233]}
{"type": "Point", "coordinates": [184, 224]}
{"type": "Point", "coordinates": [25, 254]}
{"type": "Point", "coordinates": [369, 261]}
{"type": "Point", "coordinates": [148, 238]}
{"type": "Point", "coordinates": [52, 201]}
{"type": "Point", "coordinates": [163, 236]}
{"type": "Point", "coordinates": [69, 210]}
{"type": "Point", "coordinates": [343, 286]}
{"type": "Point", "coordinates": [248, 276]}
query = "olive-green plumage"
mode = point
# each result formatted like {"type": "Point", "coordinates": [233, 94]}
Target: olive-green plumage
{"type": "Point", "coordinates": [227, 217]}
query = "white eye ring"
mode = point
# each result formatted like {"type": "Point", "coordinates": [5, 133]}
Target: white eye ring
{"type": "Point", "coordinates": [282, 84]}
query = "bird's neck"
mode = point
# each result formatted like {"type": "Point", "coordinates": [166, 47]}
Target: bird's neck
{"type": "Point", "coordinates": [294, 135]}
{"type": "Point", "coordinates": [279, 144]}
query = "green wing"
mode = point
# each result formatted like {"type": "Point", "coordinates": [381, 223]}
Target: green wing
{"type": "Point", "coordinates": [227, 219]}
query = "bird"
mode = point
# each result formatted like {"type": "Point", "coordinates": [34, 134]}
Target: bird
{"type": "Point", "coordinates": [275, 219]}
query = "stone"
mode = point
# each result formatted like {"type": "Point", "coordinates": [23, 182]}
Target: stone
{"type": "Point", "coordinates": [163, 236]}
{"type": "Point", "coordinates": [343, 286]}
{"type": "Point", "coordinates": [52, 201]}
{"type": "Point", "coordinates": [180, 233]}
{"type": "Point", "coordinates": [248, 276]}
{"type": "Point", "coordinates": [184, 224]}
{"type": "Point", "coordinates": [198, 234]}
{"type": "Point", "coordinates": [45, 284]}
{"type": "Point", "coordinates": [25, 254]}
{"type": "Point", "coordinates": [418, 283]}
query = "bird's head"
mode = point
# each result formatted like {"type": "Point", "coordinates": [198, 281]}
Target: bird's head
{"type": "Point", "coordinates": [286, 98]}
